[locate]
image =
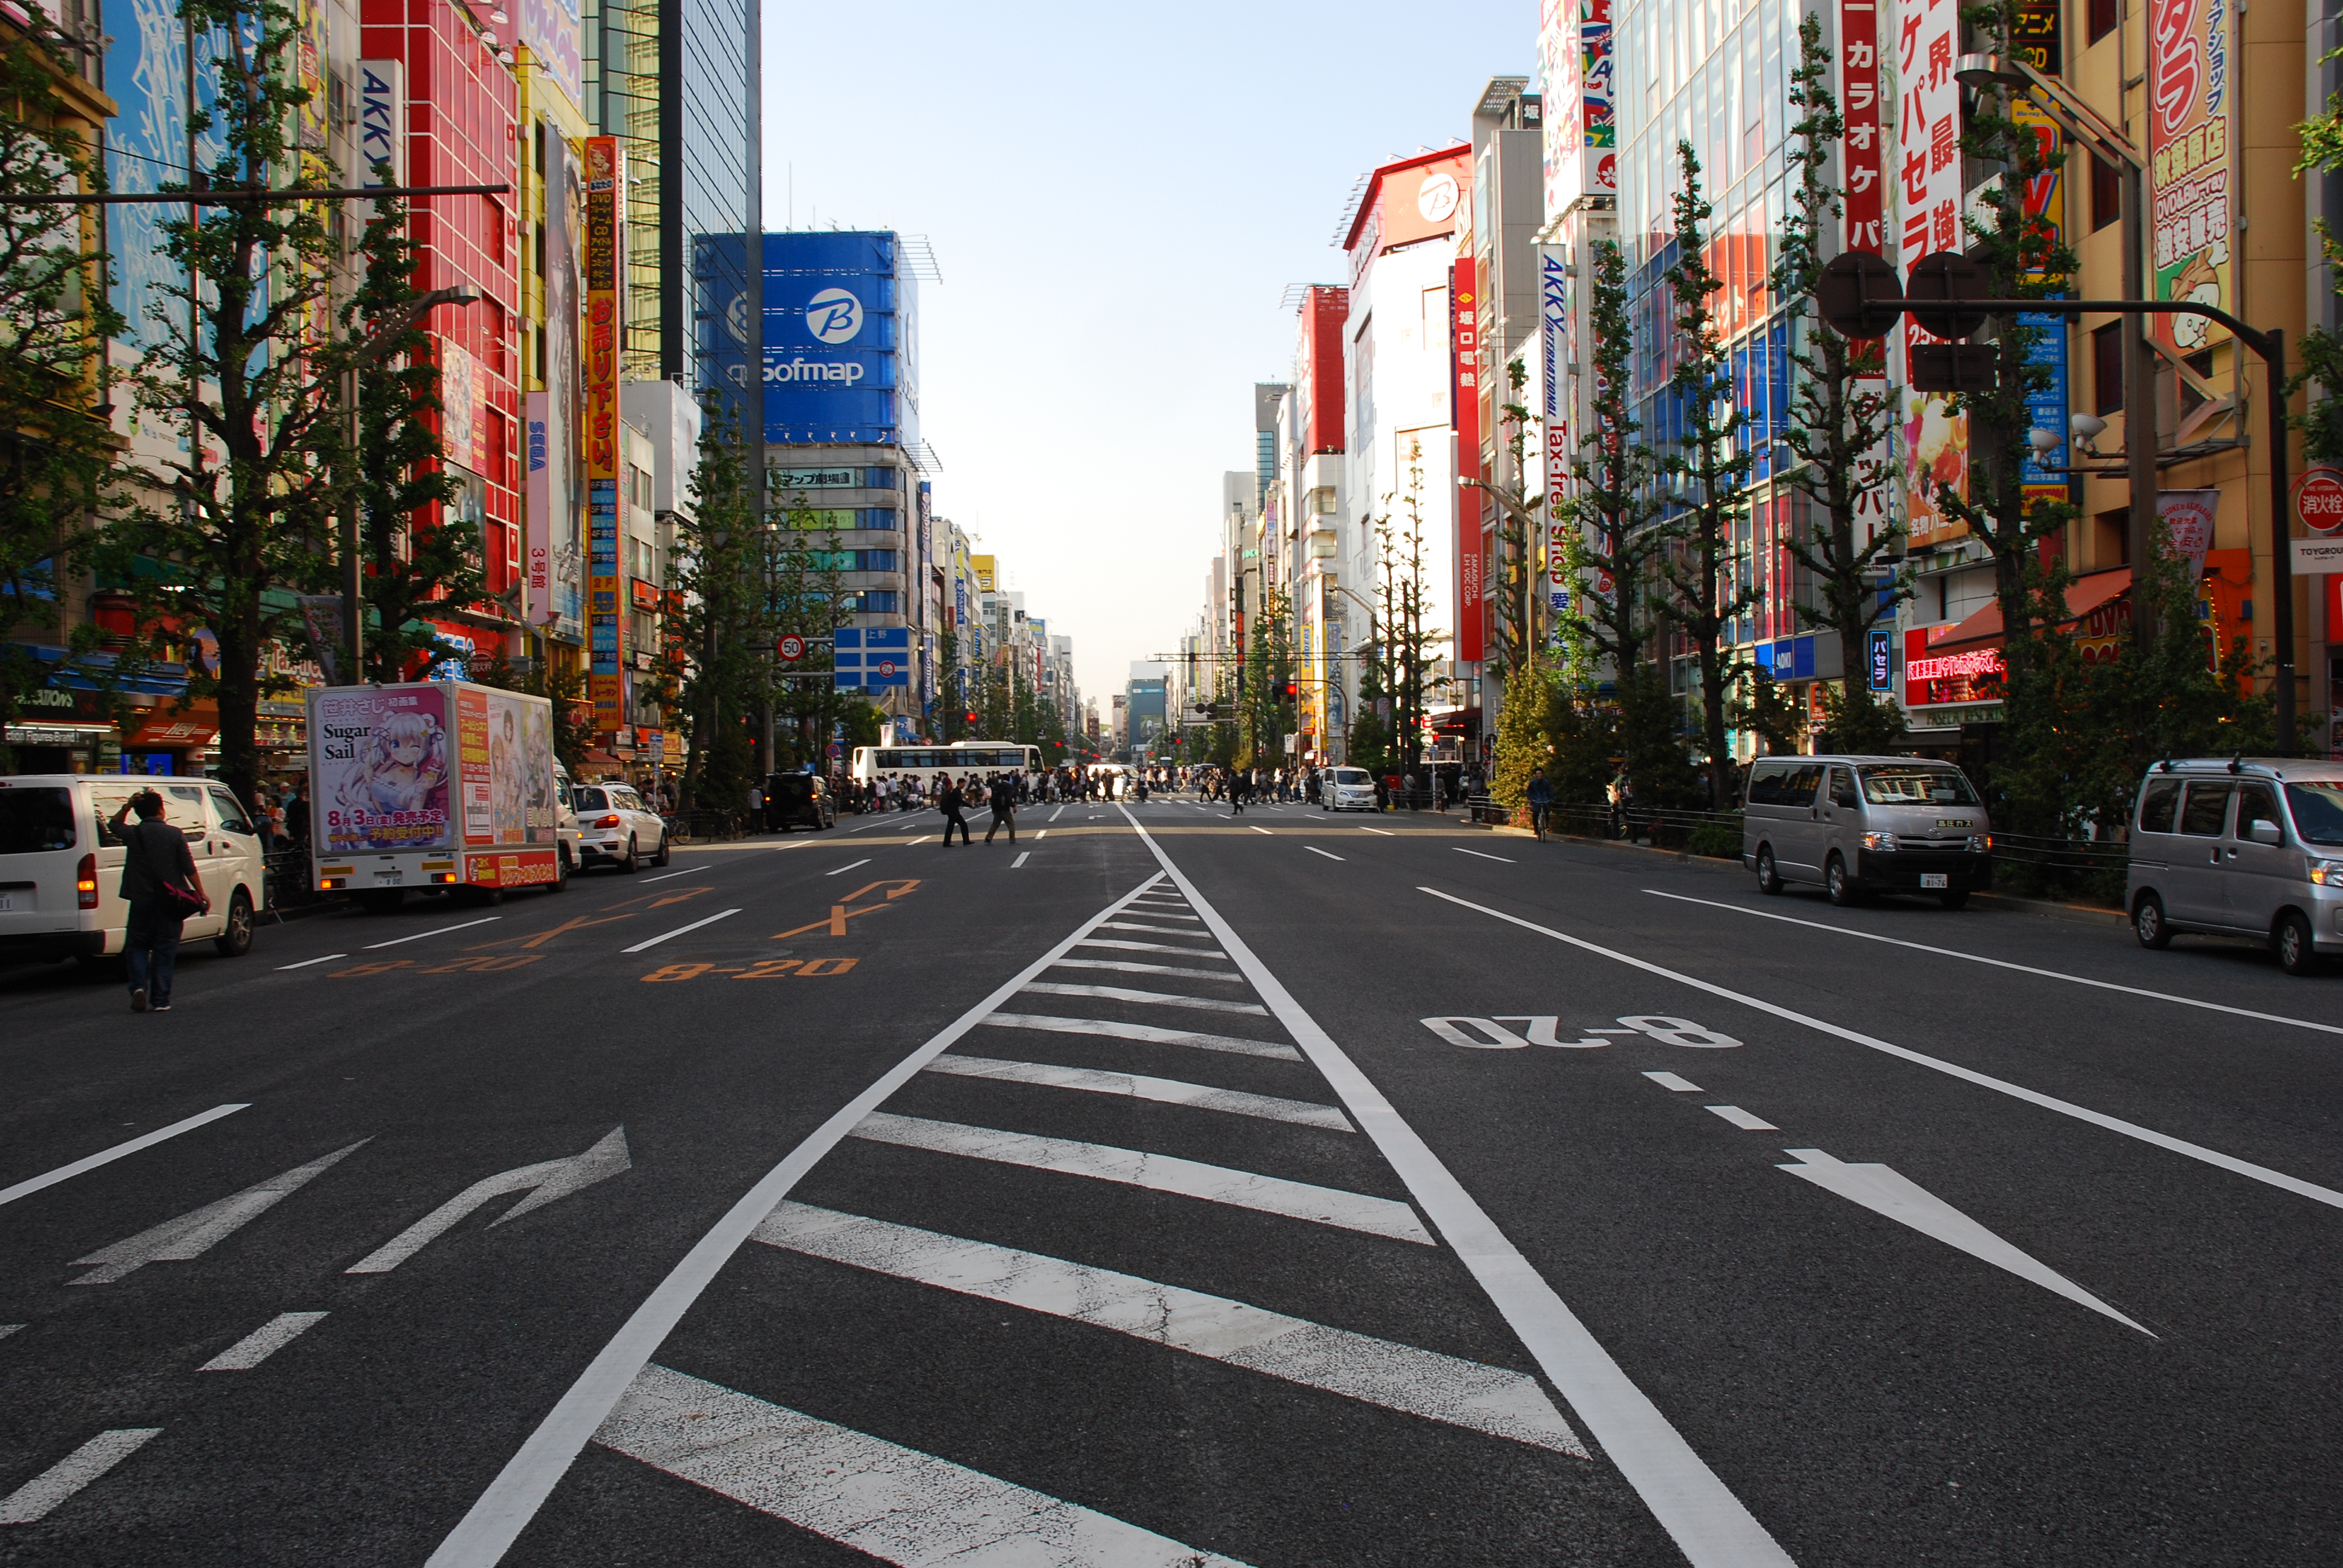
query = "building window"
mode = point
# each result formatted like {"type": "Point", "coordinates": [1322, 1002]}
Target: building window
{"type": "Point", "coordinates": [2106, 193]}
{"type": "Point", "coordinates": [872, 601]}
{"type": "Point", "coordinates": [2111, 541]}
{"type": "Point", "coordinates": [2104, 13]}
{"type": "Point", "coordinates": [2106, 369]}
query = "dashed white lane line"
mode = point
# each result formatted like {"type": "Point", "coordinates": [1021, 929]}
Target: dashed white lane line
{"type": "Point", "coordinates": [1155, 997]}
{"type": "Point", "coordinates": [896, 1504]}
{"type": "Point", "coordinates": [1137, 1086]}
{"type": "Point", "coordinates": [143, 1141]}
{"type": "Point", "coordinates": [443, 930]}
{"type": "Point", "coordinates": [668, 936]}
{"type": "Point", "coordinates": [1477, 855]}
{"type": "Point", "coordinates": [305, 963]}
{"type": "Point", "coordinates": [1262, 831]}
{"type": "Point", "coordinates": [194, 1233]}
{"type": "Point", "coordinates": [2007, 964]}
{"type": "Point", "coordinates": [1058, 813]}
{"type": "Point", "coordinates": [1150, 947]}
{"type": "Point", "coordinates": [2148, 1135]}
{"type": "Point", "coordinates": [1316, 850]}
{"type": "Point", "coordinates": [1139, 969]}
{"type": "Point", "coordinates": [1155, 1172]}
{"type": "Point", "coordinates": [1442, 1388]}
{"type": "Point", "coordinates": [1022, 856]}
{"type": "Point", "coordinates": [665, 876]}
{"type": "Point", "coordinates": [1113, 1028]}
{"type": "Point", "coordinates": [1671, 1082]}
{"type": "Point", "coordinates": [1043, 834]}
{"type": "Point", "coordinates": [1379, 832]}
{"type": "Point", "coordinates": [263, 1342]}
{"type": "Point", "coordinates": [848, 867]}
{"type": "Point", "coordinates": [38, 1496]}
{"type": "Point", "coordinates": [8, 1329]}
{"type": "Point", "coordinates": [1744, 1120]}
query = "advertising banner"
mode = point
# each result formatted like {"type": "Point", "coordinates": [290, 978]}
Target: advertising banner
{"type": "Point", "coordinates": [1464, 392]}
{"type": "Point", "coordinates": [381, 769]}
{"type": "Point", "coordinates": [1931, 680]}
{"type": "Point", "coordinates": [550, 30]}
{"type": "Point", "coordinates": [2187, 518]}
{"type": "Point", "coordinates": [1556, 354]}
{"type": "Point", "coordinates": [605, 306]}
{"type": "Point", "coordinates": [555, 477]}
{"type": "Point", "coordinates": [1932, 441]}
{"type": "Point", "coordinates": [1575, 64]}
{"type": "Point", "coordinates": [835, 318]}
{"type": "Point", "coordinates": [2189, 164]}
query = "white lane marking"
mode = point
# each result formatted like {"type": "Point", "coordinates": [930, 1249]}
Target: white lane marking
{"type": "Point", "coordinates": [443, 930]}
{"type": "Point", "coordinates": [2007, 964]}
{"type": "Point", "coordinates": [1058, 813]}
{"type": "Point", "coordinates": [33, 1184]}
{"type": "Point", "coordinates": [1442, 1388]}
{"type": "Point", "coordinates": [664, 876]}
{"type": "Point", "coordinates": [1158, 931]}
{"type": "Point", "coordinates": [1115, 1030]}
{"type": "Point", "coordinates": [668, 936]}
{"type": "Point", "coordinates": [1170, 913]}
{"type": "Point", "coordinates": [1887, 1191]}
{"type": "Point", "coordinates": [1022, 856]}
{"type": "Point", "coordinates": [305, 963]}
{"type": "Point", "coordinates": [1459, 849]}
{"type": "Point", "coordinates": [1137, 1086]}
{"type": "Point", "coordinates": [893, 1504]}
{"type": "Point", "coordinates": [2213, 1157]}
{"type": "Point", "coordinates": [1316, 850]}
{"type": "Point", "coordinates": [1155, 1172]}
{"type": "Point", "coordinates": [1262, 831]}
{"type": "Point", "coordinates": [1043, 834]}
{"type": "Point", "coordinates": [1671, 1082]}
{"type": "Point", "coordinates": [1139, 969]}
{"type": "Point", "coordinates": [1378, 833]}
{"type": "Point", "coordinates": [262, 1342]}
{"type": "Point", "coordinates": [1159, 997]}
{"type": "Point", "coordinates": [1744, 1120]}
{"type": "Point", "coordinates": [192, 1234]}
{"type": "Point", "coordinates": [8, 1329]}
{"type": "Point", "coordinates": [551, 1179]}
{"type": "Point", "coordinates": [848, 867]}
{"type": "Point", "coordinates": [1708, 1524]}
{"type": "Point", "coordinates": [500, 1513]}
{"type": "Point", "coordinates": [36, 1497]}
{"type": "Point", "coordinates": [1152, 947]}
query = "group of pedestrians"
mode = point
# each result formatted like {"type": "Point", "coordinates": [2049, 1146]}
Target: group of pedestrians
{"type": "Point", "coordinates": [955, 796]}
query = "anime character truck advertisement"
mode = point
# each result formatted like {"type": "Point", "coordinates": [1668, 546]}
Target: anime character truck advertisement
{"type": "Point", "coordinates": [382, 762]}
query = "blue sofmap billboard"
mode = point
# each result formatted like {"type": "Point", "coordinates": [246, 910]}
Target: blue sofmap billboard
{"type": "Point", "coordinates": [838, 325]}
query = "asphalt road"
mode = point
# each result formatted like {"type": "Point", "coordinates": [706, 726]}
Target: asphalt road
{"type": "Point", "coordinates": [1174, 1189]}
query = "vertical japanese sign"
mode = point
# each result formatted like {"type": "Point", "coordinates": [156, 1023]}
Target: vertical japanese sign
{"type": "Point", "coordinates": [1932, 441]}
{"type": "Point", "coordinates": [1558, 356]}
{"type": "Point", "coordinates": [2045, 406]}
{"type": "Point", "coordinates": [1863, 180]}
{"type": "Point", "coordinates": [606, 251]}
{"type": "Point", "coordinates": [474, 784]}
{"type": "Point", "coordinates": [1465, 365]}
{"type": "Point", "coordinates": [1599, 123]}
{"type": "Point", "coordinates": [2188, 163]}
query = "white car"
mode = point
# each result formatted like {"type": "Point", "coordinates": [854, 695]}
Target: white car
{"type": "Point", "coordinates": [1347, 789]}
{"type": "Point", "coordinates": [615, 828]}
{"type": "Point", "coordinates": [61, 869]}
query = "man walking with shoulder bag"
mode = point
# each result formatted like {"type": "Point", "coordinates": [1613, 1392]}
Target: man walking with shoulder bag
{"type": "Point", "coordinates": [160, 881]}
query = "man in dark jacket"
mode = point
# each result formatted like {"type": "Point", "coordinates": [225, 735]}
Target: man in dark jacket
{"type": "Point", "coordinates": [950, 801]}
{"type": "Point", "coordinates": [1004, 809]}
{"type": "Point", "coordinates": [159, 879]}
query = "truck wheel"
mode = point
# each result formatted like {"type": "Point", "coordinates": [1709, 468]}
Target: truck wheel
{"type": "Point", "coordinates": [236, 940]}
{"type": "Point", "coordinates": [1841, 886]}
{"type": "Point", "coordinates": [631, 862]}
{"type": "Point", "coordinates": [1769, 875]}
{"type": "Point", "coordinates": [2147, 923]}
{"type": "Point", "coordinates": [560, 883]}
{"type": "Point", "coordinates": [664, 854]}
{"type": "Point", "coordinates": [2297, 954]}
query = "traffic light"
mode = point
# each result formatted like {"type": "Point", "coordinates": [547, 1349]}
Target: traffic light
{"type": "Point", "coordinates": [969, 716]}
{"type": "Point", "coordinates": [1292, 689]}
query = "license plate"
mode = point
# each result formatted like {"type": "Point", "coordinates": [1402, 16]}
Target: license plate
{"type": "Point", "coordinates": [1936, 879]}
{"type": "Point", "coordinates": [390, 876]}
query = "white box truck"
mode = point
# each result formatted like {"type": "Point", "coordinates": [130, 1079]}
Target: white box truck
{"type": "Point", "coordinates": [432, 784]}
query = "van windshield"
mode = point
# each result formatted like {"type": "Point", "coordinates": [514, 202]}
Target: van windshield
{"type": "Point", "coordinates": [1350, 775]}
{"type": "Point", "coordinates": [32, 821]}
{"type": "Point", "coordinates": [1917, 787]}
{"type": "Point", "coordinates": [2317, 811]}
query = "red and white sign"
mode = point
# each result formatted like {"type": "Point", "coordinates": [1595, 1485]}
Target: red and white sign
{"type": "Point", "coordinates": [2318, 499]}
{"type": "Point", "coordinates": [2187, 517]}
{"type": "Point", "coordinates": [1464, 365]}
{"type": "Point", "coordinates": [1860, 152]}
{"type": "Point", "coordinates": [1927, 218]}
{"type": "Point", "coordinates": [791, 647]}
{"type": "Point", "coordinates": [886, 666]}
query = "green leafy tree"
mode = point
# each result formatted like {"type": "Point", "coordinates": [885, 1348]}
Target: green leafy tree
{"type": "Point", "coordinates": [716, 647]}
{"type": "Point", "coordinates": [1615, 506]}
{"type": "Point", "coordinates": [1525, 744]}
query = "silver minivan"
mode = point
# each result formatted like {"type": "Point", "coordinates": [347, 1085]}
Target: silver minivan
{"type": "Point", "coordinates": [2240, 847]}
{"type": "Point", "coordinates": [1862, 825]}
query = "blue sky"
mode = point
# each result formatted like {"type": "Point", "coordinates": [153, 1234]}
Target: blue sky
{"type": "Point", "coordinates": [1117, 197]}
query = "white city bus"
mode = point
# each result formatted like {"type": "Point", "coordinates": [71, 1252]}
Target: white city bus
{"type": "Point", "coordinates": [960, 759]}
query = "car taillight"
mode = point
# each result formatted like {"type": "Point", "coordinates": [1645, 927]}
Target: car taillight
{"type": "Point", "coordinates": [85, 882]}
{"type": "Point", "coordinates": [606, 821]}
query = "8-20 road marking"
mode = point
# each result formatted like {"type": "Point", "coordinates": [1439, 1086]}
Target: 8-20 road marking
{"type": "Point", "coordinates": [763, 968]}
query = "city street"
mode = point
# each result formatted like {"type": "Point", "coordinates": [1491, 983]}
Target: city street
{"type": "Point", "coordinates": [1175, 1188]}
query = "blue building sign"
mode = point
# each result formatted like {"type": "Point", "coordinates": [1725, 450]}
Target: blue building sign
{"type": "Point", "coordinates": [867, 658]}
{"type": "Point", "coordinates": [837, 337]}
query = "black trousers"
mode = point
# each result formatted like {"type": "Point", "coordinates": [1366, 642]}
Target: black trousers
{"type": "Point", "coordinates": [954, 820]}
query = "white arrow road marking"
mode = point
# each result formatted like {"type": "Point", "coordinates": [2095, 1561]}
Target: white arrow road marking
{"type": "Point", "coordinates": [1423, 1382]}
{"type": "Point", "coordinates": [1164, 1091]}
{"type": "Point", "coordinates": [1155, 1172]}
{"type": "Point", "coordinates": [1160, 998]}
{"type": "Point", "coordinates": [36, 1497]}
{"type": "Point", "coordinates": [1906, 1203]}
{"type": "Point", "coordinates": [1113, 1030]}
{"type": "Point", "coordinates": [894, 1504]}
{"type": "Point", "coordinates": [551, 1179]}
{"type": "Point", "coordinates": [26, 1188]}
{"type": "Point", "coordinates": [192, 1234]}
{"type": "Point", "coordinates": [1744, 1121]}
{"type": "Point", "coordinates": [262, 1342]}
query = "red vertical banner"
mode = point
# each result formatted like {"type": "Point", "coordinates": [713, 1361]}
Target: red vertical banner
{"type": "Point", "coordinates": [1859, 150]}
{"type": "Point", "coordinates": [1465, 393]}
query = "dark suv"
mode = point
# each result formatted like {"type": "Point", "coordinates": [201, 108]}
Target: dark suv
{"type": "Point", "coordinates": [798, 800]}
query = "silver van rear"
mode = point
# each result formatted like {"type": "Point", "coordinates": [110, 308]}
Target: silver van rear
{"type": "Point", "coordinates": [2243, 847]}
{"type": "Point", "coordinates": [1865, 825]}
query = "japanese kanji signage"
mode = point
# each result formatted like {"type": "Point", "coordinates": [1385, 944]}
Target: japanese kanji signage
{"type": "Point", "coordinates": [605, 309]}
{"type": "Point", "coordinates": [1932, 441]}
{"type": "Point", "coordinates": [1464, 307]}
{"type": "Point", "coordinates": [2188, 163]}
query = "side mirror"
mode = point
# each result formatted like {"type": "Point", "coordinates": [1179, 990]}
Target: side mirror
{"type": "Point", "coordinates": [2266, 832]}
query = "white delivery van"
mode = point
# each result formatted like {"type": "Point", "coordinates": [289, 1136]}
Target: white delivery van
{"type": "Point", "coordinates": [1863, 825]}
{"type": "Point", "coordinates": [61, 869]}
{"type": "Point", "coordinates": [2241, 847]}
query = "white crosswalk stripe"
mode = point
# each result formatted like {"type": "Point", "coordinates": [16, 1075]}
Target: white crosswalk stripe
{"type": "Point", "coordinates": [1150, 947]}
{"type": "Point", "coordinates": [38, 1497]}
{"type": "Point", "coordinates": [1167, 1090]}
{"type": "Point", "coordinates": [1132, 967]}
{"type": "Point", "coordinates": [1116, 1029]}
{"type": "Point", "coordinates": [1135, 926]}
{"type": "Point", "coordinates": [1160, 998]}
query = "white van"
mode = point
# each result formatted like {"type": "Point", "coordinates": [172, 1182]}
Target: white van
{"type": "Point", "coordinates": [1862, 825]}
{"type": "Point", "coordinates": [2240, 847]}
{"type": "Point", "coordinates": [61, 871]}
{"type": "Point", "coordinates": [1347, 789]}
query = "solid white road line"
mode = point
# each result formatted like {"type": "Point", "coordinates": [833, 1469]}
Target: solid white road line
{"type": "Point", "coordinates": [1155, 1172]}
{"type": "Point", "coordinates": [1671, 1082]}
{"type": "Point", "coordinates": [1160, 998]}
{"type": "Point", "coordinates": [499, 1514]}
{"type": "Point", "coordinates": [261, 1343]}
{"type": "Point", "coordinates": [143, 1141]}
{"type": "Point", "coordinates": [2007, 964]}
{"type": "Point", "coordinates": [1115, 1030]}
{"type": "Point", "coordinates": [1151, 947]}
{"type": "Point", "coordinates": [305, 963]}
{"type": "Point", "coordinates": [890, 1503]}
{"type": "Point", "coordinates": [1140, 968]}
{"type": "Point", "coordinates": [36, 1497]}
{"type": "Point", "coordinates": [2213, 1157]}
{"type": "Point", "coordinates": [721, 915]}
{"type": "Point", "coordinates": [664, 876]}
{"type": "Point", "coordinates": [1157, 931]}
{"type": "Point", "coordinates": [848, 867]}
{"type": "Point", "coordinates": [1459, 849]}
{"type": "Point", "coordinates": [1022, 856]}
{"type": "Point", "coordinates": [443, 930]}
{"type": "Point", "coordinates": [192, 1234]}
{"type": "Point", "coordinates": [1379, 832]}
{"type": "Point", "coordinates": [1400, 1377]}
{"type": "Point", "coordinates": [1162, 1091]}
{"type": "Point", "coordinates": [1316, 850]}
{"type": "Point", "coordinates": [1744, 1120]}
{"type": "Point", "coordinates": [1708, 1524]}
{"type": "Point", "coordinates": [1262, 831]}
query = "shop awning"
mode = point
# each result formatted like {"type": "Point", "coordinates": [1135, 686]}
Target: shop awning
{"type": "Point", "coordinates": [1983, 629]}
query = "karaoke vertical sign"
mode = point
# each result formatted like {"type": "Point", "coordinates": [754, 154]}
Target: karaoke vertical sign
{"type": "Point", "coordinates": [606, 310]}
